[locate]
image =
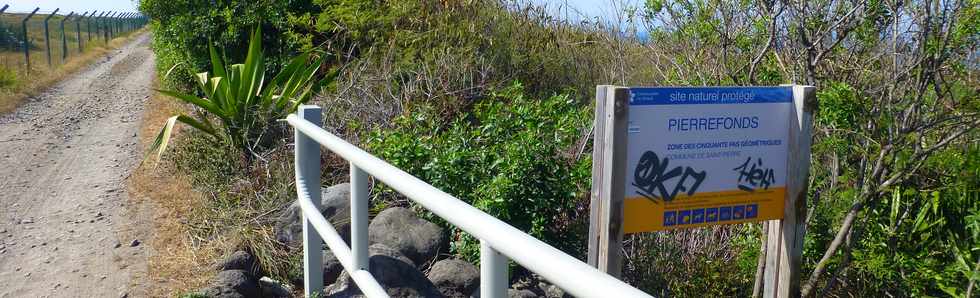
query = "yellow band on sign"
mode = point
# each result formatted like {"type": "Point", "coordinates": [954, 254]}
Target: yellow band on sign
{"type": "Point", "coordinates": [702, 209]}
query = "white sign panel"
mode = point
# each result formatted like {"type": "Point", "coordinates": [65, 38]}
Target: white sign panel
{"type": "Point", "coordinates": [701, 156]}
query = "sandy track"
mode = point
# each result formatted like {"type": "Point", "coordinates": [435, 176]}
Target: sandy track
{"type": "Point", "coordinates": [67, 225]}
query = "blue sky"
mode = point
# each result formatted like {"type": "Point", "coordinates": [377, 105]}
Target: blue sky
{"type": "Point", "coordinates": [78, 6]}
{"type": "Point", "coordinates": [604, 9]}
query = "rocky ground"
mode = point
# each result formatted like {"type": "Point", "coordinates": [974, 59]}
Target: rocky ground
{"type": "Point", "coordinates": [67, 225]}
{"type": "Point", "coordinates": [408, 257]}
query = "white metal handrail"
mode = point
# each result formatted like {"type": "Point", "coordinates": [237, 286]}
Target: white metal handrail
{"type": "Point", "coordinates": [498, 240]}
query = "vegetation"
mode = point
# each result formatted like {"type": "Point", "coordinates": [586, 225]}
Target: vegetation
{"type": "Point", "coordinates": [500, 96]}
{"type": "Point", "coordinates": [241, 100]}
{"type": "Point", "coordinates": [506, 149]}
{"type": "Point", "coordinates": [184, 31]}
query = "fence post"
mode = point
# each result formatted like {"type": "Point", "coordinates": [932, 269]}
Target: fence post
{"type": "Point", "coordinates": [118, 23]}
{"type": "Point", "coordinates": [9, 46]}
{"type": "Point", "coordinates": [784, 241]}
{"type": "Point", "coordinates": [111, 24]}
{"type": "Point", "coordinates": [307, 165]}
{"type": "Point", "coordinates": [88, 24]}
{"type": "Point", "coordinates": [64, 40]}
{"type": "Point", "coordinates": [359, 194]}
{"type": "Point", "coordinates": [105, 27]}
{"type": "Point", "coordinates": [27, 40]}
{"type": "Point", "coordinates": [47, 37]}
{"type": "Point", "coordinates": [78, 30]}
{"type": "Point", "coordinates": [493, 272]}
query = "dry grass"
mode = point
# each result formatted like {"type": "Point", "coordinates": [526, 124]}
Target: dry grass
{"type": "Point", "coordinates": [41, 77]}
{"type": "Point", "coordinates": [180, 263]}
{"type": "Point", "coordinates": [194, 230]}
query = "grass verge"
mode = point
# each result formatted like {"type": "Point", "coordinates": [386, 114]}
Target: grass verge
{"type": "Point", "coordinates": [15, 86]}
{"type": "Point", "coordinates": [180, 263]}
{"type": "Point", "coordinates": [208, 207]}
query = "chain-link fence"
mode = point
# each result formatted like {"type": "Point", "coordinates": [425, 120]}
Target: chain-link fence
{"type": "Point", "coordinates": [42, 40]}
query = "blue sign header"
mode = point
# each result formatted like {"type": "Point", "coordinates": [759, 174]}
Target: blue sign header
{"type": "Point", "coordinates": [709, 95]}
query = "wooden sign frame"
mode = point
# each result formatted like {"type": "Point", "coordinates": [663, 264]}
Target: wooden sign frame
{"type": "Point", "coordinates": [784, 238]}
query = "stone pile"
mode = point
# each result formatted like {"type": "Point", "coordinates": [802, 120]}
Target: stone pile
{"type": "Point", "coordinates": [407, 257]}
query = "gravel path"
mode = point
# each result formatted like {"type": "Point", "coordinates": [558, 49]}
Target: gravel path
{"type": "Point", "coordinates": [67, 225]}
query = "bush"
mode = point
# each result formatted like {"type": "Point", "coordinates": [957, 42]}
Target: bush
{"type": "Point", "coordinates": [8, 77]}
{"type": "Point", "coordinates": [184, 29]}
{"type": "Point", "coordinates": [512, 156]}
{"type": "Point", "coordinates": [242, 102]}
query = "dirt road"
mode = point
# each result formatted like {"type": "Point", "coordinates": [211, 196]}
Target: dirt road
{"type": "Point", "coordinates": [67, 225]}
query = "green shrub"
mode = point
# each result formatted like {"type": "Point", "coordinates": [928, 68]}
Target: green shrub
{"type": "Point", "coordinates": [512, 156]}
{"type": "Point", "coordinates": [184, 29]}
{"type": "Point", "coordinates": [8, 77]}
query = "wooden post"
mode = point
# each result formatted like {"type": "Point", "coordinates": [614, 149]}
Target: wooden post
{"type": "Point", "coordinates": [595, 204]}
{"type": "Point", "coordinates": [785, 237]}
{"type": "Point", "coordinates": [608, 179]}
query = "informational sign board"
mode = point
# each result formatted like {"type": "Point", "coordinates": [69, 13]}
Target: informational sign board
{"type": "Point", "coordinates": [699, 156]}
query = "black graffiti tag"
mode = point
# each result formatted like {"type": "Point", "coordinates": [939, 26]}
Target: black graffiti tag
{"type": "Point", "coordinates": [756, 176]}
{"type": "Point", "coordinates": [651, 173]}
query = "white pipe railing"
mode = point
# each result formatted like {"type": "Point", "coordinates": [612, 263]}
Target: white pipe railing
{"type": "Point", "coordinates": [498, 240]}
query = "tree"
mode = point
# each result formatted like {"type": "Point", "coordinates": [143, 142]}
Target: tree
{"type": "Point", "coordinates": [896, 80]}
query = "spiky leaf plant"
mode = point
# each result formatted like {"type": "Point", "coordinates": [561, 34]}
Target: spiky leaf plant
{"type": "Point", "coordinates": [241, 101]}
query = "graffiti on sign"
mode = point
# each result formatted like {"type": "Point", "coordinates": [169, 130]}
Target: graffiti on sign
{"type": "Point", "coordinates": [756, 176]}
{"type": "Point", "coordinates": [651, 174]}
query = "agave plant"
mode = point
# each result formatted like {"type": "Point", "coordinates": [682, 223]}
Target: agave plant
{"type": "Point", "coordinates": [241, 101]}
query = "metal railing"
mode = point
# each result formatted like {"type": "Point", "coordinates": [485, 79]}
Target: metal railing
{"type": "Point", "coordinates": [498, 240]}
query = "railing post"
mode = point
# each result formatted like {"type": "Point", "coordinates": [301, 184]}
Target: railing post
{"type": "Point", "coordinates": [359, 192]}
{"type": "Point", "coordinates": [307, 162]}
{"type": "Point", "coordinates": [493, 272]}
